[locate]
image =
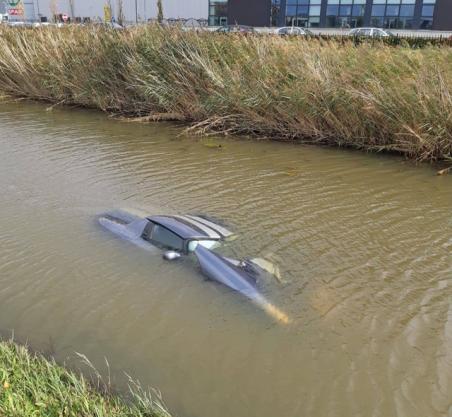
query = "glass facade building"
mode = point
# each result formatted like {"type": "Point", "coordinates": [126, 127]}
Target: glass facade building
{"type": "Point", "coordinates": [345, 13]}
{"type": "Point", "coordinates": [305, 13]}
{"type": "Point", "coordinates": [389, 14]}
{"type": "Point", "coordinates": [393, 14]}
{"type": "Point", "coordinates": [218, 12]}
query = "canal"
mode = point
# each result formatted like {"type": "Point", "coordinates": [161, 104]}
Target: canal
{"type": "Point", "coordinates": [363, 244]}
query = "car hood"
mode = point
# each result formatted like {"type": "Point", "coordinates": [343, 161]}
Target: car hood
{"type": "Point", "coordinates": [225, 271]}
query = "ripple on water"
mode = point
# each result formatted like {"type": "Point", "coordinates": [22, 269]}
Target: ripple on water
{"type": "Point", "coordinates": [362, 242]}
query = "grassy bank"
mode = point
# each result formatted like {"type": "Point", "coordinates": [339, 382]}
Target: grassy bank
{"type": "Point", "coordinates": [31, 385]}
{"type": "Point", "coordinates": [370, 96]}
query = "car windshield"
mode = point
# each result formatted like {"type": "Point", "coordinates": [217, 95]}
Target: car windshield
{"type": "Point", "coordinates": [164, 238]}
{"type": "Point", "coordinates": [209, 244]}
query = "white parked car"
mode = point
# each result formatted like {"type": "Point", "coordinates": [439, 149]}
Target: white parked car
{"type": "Point", "coordinates": [18, 23]}
{"type": "Point", "coordinates": [370, 32]}
{"type": "Point", "coordinates": [293, 30]}
{"type": "Point", "coordinates": [43, 24]}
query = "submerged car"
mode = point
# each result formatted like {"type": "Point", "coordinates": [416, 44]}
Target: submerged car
{"type": "Point", "coordinates": [194, 236]}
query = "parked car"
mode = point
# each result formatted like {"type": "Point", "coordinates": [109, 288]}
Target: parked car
{"type": "Point", "coordinates": [46, 24]}
{"type": "Point", "coordinates": [236, 29]}
{"type": "Point", "coordinates": [17, 23]}
{"type": "Point", "coordinates": [370, 32]}
{"type": "Point", "coordinates": [293, 30]}
{"type": "Point", "coordinates": [108, 25]}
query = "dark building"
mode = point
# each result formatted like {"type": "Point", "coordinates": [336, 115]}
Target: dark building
{"type": "Point", "coordinates": [442, 17]}
{"type": "Point", "coordinates": [256, 12]}
{"type": "Point", "coordinates": [390, 14]}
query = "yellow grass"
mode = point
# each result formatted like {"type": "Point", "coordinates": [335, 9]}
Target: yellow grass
{"type": "Point", "coordinates": [371, 96]}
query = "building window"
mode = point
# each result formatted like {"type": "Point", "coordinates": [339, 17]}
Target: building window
{"type": "Point", "coordinates": [428, 8]}
{"type": "Point", "coordinates": [393, 14]}
{"type": "Point", "coordinates": [218, 12]}
{"type": "Point", "coordinates": [345, 13]}
{"type": "Point", "coordinates": [304, 13]}
{"type": "Point", "coordinates": [275, 12]}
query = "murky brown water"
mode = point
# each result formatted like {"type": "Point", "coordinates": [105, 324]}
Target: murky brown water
{"type": "Point", "coordinates": [364, 244]}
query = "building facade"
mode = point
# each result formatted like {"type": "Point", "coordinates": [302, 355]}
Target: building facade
{"type": "Point", "coordinates": [391, 14]}
{"type": "Point", "coordinates": [83, 10]}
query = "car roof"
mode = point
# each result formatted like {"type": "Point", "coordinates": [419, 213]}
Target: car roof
{"type": "Point", "coordinates": [185, 227]}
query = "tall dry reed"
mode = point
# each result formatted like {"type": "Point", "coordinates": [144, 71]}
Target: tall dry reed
{"type": "Point", "coordinates": [371, 96]}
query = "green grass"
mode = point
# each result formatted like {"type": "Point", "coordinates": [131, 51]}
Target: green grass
{"type": "Point", "coordinates": [366, 95]}
{"type": "Point", "coordinates": [33, 386]}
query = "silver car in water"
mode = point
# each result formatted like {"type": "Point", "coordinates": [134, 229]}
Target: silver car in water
{"type": "Point", "coordinates": [194, 236]}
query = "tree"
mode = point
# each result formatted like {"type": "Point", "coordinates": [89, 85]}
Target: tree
{"type": "Point", "coordinates": [159, 11]}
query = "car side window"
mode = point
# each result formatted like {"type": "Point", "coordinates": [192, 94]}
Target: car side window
{"type": "Point", "coordinates": [146, 235]}
{"type": "Point", "coordinates": [165, 239]}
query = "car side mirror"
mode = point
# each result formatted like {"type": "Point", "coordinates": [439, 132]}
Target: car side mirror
{"type": "Point", "coordinates": [171, 255]}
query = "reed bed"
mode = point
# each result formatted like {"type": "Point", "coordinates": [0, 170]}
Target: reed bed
{"type": "Point", "coordinates": [31, 385]}
{"type": "Point", "coordinates": [370, 95]}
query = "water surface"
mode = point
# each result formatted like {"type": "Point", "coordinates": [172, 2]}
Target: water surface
{"type": "Point", "coordinates": [363, 243]}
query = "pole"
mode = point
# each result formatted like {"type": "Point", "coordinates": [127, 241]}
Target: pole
{"type": "Point", "coordinates": [71, 6]}
{"type": "Point", "coordinates": [136, 11]}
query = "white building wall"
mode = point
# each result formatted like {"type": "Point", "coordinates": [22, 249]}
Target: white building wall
{"type": "Point", "coordinates": [145, 9]}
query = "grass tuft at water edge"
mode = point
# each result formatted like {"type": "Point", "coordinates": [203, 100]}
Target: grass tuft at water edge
{"type": "Point", "coordinates": [31, 385]}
